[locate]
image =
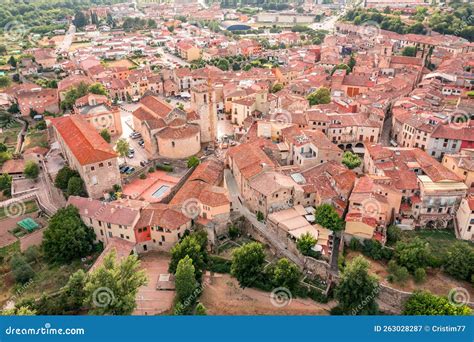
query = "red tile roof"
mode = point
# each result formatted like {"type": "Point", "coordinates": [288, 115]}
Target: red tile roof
{"type": "Point", "coordinates": [83, 140]}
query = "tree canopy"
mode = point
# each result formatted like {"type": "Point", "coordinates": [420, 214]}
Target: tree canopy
{"type": "Point", "coordinates": [320, 96]}
{"type": "Point", "coordinates": [423, 303]}
{"type": "Point", "coordinates": [247, 263]}
{"type": "Point", "coordinates": [327, 216]}
{"type": "Point", "coordinates": [67, 238]}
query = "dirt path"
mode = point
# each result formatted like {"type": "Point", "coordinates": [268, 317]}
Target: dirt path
{"type": "Point", "coordinates": [223, 296]}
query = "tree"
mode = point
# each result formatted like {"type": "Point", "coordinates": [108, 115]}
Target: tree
{"type": "Point", "coordinates": [341, 67]}
{"type": "Point", "coordinates": [80, 19]}
{"type": "Point", "coordinates": [105, 134]}
{"type": "Point", "coordinates": [460, 261]}
{"type": "Point", "coordinates": [190, 246]}
{"type": "Point", "coordinates": [276, 88]}
{"type": "Point", "coordinates": [413, 254]}
{"type": "Point", "coordinates": [409, 51]}
{"type": "Point", "coordinates": [75, 187]}
{"type": "Point", "coordinates": [151, 24]}
{"type": "Point", "coordinates": [21, 311]}
{"type": "Point", "coordinates": [112, 288]}
{"type": "Point", "coordinates": [201, 310]}
{"type": "Point", "coordinates": [427, 304]}
{"type": "Point", "coordinates": [62, 178]}
{"type": "Point", "coordinates": [31, 170]}
{"type": "Point", "coordinates": [419, 275]}
{"type": "Point", "coordinates": [185, 279]}
{"type": "Point", "coordinates": [326, 216]}
{"type": "Point", "coordinates": [394, 234]}
{"type": "Point", "coordinates": [286, 274]}
{"type": "Point", "coordinates": [5, 181]}
{"type": "Point", "coordinates": [357, 290]}
{"type": "Point", "coordinates": [352, 62]}
{"type": "Point", "coordinates": [193, 161]}
{"type": "Point", "coordinates": [247, 263]}
{"type": "Point", "coordinates": [223, 64]}
{"type": "Point", "coordinates": [351, 160]}
{"type": "Point", "coordinates": [21, 269]}
{"type": "Point", "coordinates": [12, 61]}
{"type": "Point", "coordinates": [97, 89]}
{"type": "Point", "coordinates": [5, 81]}
{"type": "Point", "coordinates": [305, 243]}
{"type": "Point", "coordinates": [122, 148]}
{"type": "Point", "coordinates": [73, 295]}
{"type": "Point", "coordinates": [67, 238]}
{"type": "Point", "coordinates": [320, 96]}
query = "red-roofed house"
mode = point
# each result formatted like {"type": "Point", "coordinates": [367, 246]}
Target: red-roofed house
{"type": "Point", "coordinates": [88, 153]}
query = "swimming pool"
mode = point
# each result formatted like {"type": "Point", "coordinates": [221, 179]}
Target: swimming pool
{"type": "Point", "coordinates": [160, 191]}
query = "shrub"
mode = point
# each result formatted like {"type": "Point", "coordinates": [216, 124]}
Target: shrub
{"type": "Point", "coordinates": [394, 234]}
{"type": "Point", "coordinates": [167, 168]}
{"type": "Point", "coordinates": [21, 269]}
{"type": "Point", "coordinates": [218, 264]}
{"type": "Point", "coordinates": [420, 275]}
{"type": "Point", "coordinates": [355, 245]}
{"type": "Point", "coordinates": [143, 176]}
{"type": "Point", "coordinates": [234, 232]}
{"type": "Point", "coordinates": [398, 273]}
{"type": "Point", "coordinates": [151, 170]}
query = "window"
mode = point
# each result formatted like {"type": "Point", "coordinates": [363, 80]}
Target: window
{"type": "Point", "coordinates": [163, 238]}
{"type": "Point", "coordinates": [110, 234]}
{"type": "Point", "coordinates": [172, 144]}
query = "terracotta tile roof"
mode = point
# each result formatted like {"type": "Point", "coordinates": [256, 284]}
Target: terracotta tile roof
{"type": "Point", "coordinates": [180, 132]}
{"type": "Point", "coordinates": [163, 216]}
{"type": "Point", "coordinates": [104, 211]}
{"type": "Point", "coordinates": [212, 196]}
{"type": "Point", "coordinates": [83, 140]}
{"type": "Point", "coordinates": [210, 172]}
{"type": "Point", "coordinates": [249, 158]}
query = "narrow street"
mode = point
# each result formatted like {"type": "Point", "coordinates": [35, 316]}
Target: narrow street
{"type": "Point", "coordinates": [259, 226]}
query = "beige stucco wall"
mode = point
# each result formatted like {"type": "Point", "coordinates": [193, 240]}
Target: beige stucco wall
{"type": "Point", "coordinates": [182, 148]}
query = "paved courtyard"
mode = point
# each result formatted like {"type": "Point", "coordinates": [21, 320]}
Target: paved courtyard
{"type": "Point", "coordinates": [151, 301]}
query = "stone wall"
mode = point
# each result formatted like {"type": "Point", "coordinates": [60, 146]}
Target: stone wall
{"type": "Point", "coordinates": [33, 239]}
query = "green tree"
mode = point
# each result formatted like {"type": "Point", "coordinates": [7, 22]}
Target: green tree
{"type": "Point", "coordinates": [67, 238]}
{"type": "Point", "coordinates": [223, 64]}
{"type": "Point", "coordinates": [122, 147]}
{"type": "Point", "coordinates": [193, 161]}
{"type": "Point", "coordinates": [21, 269]}
{"type": "Point", "coordinates": [5, 181]}
{"type": "Point", "coordinates": [75, 187]}
{"type": "Point", "coordinates": [12, 61]}
{"type": "Point", "coordinates": [185, 279]}
{"type": "Point", "coordinates": [62, 178]}
{"type": "Point", "coordinates": [413, 254]}
{"type": "Point", "coordinates": [193, 247]}
{"type": "Point", "coordinates": [31, 170]}
{"type": "Point", "coordinates": [112, 288]}
{"type": "Point", "coordinates": [305, 243]}
{"type": "Point", "coordinates": [247, 263]}
{"type": "Point", "coordinates": [276, 88]}
{"type": "Point", "coordinates": [21, 311]}
{"type": "Point", "coordinates": [419, 275]}
{"type": "Point", "coordinates": [5, 81]}
{"type": "Point", "coordinates": [286, 274]}
{"type": "Point", "coordinates": [341, 67]}
{"type": "Point", "coordinates": [409, 51]}
{"type": "Point", "coordinates": [320, 96]}
{"type": "Point", "coordinates": [97, 89]}
{"type": "Point", "coordinates": [357, 290]}
{"type": "Point", "coordinates": [201, 310]}
{"type": "Point", "coordinates": [80, 19]}
{"type": "Point", "coordinates": [105, 135]}
{"type": "Point", "coordinates": [73, 294]}
{"type": "Point", "coordinates": [327, 216]}
{"type": "Point", "coordinates": [351, 160]}
{"type": "Point", "coordinates": [426, 304]}
{"type": "Point", "coordinates": [460, 261]}
{"type": "Point", "coordinates": [394, 234]}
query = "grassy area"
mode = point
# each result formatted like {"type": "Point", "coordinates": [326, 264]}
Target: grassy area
{"type": "Point", "coordinates": [36, 138]}
{"type": "Point", "coordinates": [30, 207]}
{"type": "Point", "coordinates": [9, 250]}
{"type": "Point", "coordinates": [9, 136]}
{"type": "Point", "coordinates": [439, 240]}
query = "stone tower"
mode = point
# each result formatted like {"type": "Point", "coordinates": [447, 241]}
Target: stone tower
{"type": "Point", "coordinates": [203, 101]}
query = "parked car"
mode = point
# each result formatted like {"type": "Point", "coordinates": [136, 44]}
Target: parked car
{"type": "Point", "coordinates": [130, 170]}
{"type": "Point", "coordinates": [135, 135]}
{"type": "Point", "coordinates": [131, 155]}
{"type": "Point", "coordinates": [125, 169]}
{"type": "Point", "coordinates": [144, 162]}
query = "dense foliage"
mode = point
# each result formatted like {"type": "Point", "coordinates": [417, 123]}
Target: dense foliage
{"type": "Point", "coordinates": [425, 303]}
